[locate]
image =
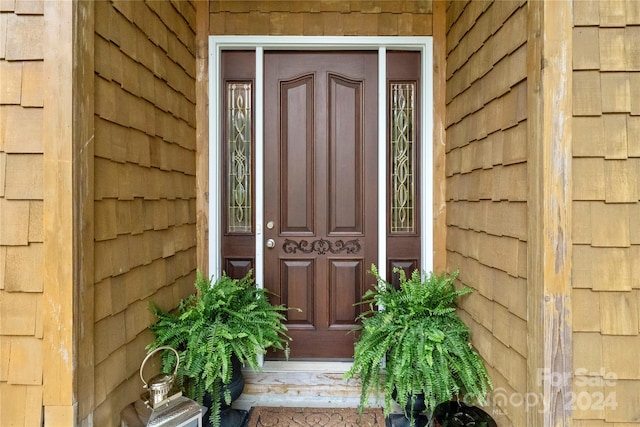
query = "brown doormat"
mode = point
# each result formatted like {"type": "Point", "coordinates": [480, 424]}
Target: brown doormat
{"type": "Point", "coordinates": [314, 417]}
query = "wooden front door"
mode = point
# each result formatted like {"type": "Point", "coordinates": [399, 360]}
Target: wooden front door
{"type": "Point", "coordinates": [320, 193]}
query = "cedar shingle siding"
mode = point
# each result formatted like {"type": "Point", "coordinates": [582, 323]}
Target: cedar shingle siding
{"type": "Point", "coordinates": [606, 236]}
{"type": "Point", "coordinates": [486, 178]}
{"type": "Point", "coordinates": [321, 18]}
{"type": "Point", "coordinates": [144, 210]}
{"type": "Point", "coordinates": [140, 214]}
{"type": "Point", "coordinates": [145, 230]}
{"type": "Point", "coordinates": [21, 212]}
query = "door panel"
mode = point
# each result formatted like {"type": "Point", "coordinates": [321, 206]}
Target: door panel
{"type": "Point", "coordinates": [297, 275]}
{"type": "Point", "coordinates": [296, 175]}
{"type": "Point", "coordinates": [320, 161]}
{"type": "Point", "coordinates": [345, 145]}
{"type": "Point", "coordinates": [345, 277]}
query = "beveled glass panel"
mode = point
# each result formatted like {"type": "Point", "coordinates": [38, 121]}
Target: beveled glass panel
{"type": "Point", "coordinates": [239, 209]}
{"type": "Point", "coordinates": [402, 158]}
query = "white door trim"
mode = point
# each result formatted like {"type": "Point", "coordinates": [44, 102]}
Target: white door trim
{"type": "Point", "coordinates": [261, 43]}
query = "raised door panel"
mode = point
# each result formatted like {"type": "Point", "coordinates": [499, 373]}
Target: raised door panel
{"type": "Point", "coordinates": [297, 292]}
{"type": "Point", "coordinates": [345, 287]}
{"type": "Point", "coordinates": [346, 151]}
{"type": "Point", "coordinates": [297, 155]}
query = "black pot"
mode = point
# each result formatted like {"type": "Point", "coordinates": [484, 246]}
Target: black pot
{"type": "Point", "coordinates": [461, 414]}
{"type": "Point", "coordinates": [229, 417]}
{"type": "Point", "coordinates": [236, 385]}
{"type": "Point", "coordinates": [412, 411]}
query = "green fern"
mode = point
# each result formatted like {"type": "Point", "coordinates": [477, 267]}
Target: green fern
{"type": "Point", "coordinates": [232, 317]}
{"type": "Point", "coordinates": [425, 344]}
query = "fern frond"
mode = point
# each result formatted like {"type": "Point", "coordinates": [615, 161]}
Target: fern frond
{"type": "Point", "coordinates": [425, 343]}
{"type": "Point", "coordinates": [229, 318]}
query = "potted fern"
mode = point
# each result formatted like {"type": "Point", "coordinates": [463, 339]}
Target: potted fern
{"type": "Point", "coordinates": [417, 331]}
{"type": "Point", "coordinates": [215, 331]}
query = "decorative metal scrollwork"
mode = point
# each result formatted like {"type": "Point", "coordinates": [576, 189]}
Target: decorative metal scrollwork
{"type": "Point", "coordinates": [321, 246]}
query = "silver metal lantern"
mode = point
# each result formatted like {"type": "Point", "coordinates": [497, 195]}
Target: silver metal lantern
{"type": "Point", "coordinates": [160, 406]}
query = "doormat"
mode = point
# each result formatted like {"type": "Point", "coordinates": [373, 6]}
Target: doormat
{"type": "Point", "coordinates": [314, 417]}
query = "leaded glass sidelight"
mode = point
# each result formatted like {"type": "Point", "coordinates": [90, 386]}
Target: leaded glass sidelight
{"type": "Point", "coordinates": [239, 157]}
{"type": "Point", "coordinates": [402, 158]}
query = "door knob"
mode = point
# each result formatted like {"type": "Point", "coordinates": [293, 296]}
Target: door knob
{"type": "Point", "coordinates": [271, 243]}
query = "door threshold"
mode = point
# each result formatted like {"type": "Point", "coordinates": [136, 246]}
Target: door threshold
{"type": "Point", "coordinates": [246, 402]}
{"type": "Point", "coordinates": [337, 367]}
{"type": "Point", "coordinates": [300, 383]}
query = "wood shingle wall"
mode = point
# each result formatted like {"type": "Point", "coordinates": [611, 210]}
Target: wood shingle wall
{"type": "Point", "coordinates": [21, 212]}
{"type": "Point", "coordinates": [145, 232]}
{"type": "Point", "coordinates": [143, 94]}
{"type": "Point", "coordinates": [606, 210]}
{"type": "Point", "coordinates": [486, 170]}
{"type": "Point", "coordinates": [321, 18]}
{"type": "Point", "coordinates": [143, 203]}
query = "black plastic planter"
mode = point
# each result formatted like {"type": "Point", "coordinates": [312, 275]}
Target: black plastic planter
{"type": "Point", "coordinates": [229, 417]}
{"type": "Point", "coordinates": [460, 414]}
{"type": "Point", "coordinates": [415, 409]}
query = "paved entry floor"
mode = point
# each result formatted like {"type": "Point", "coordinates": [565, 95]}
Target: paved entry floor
{"type": "Point", "coordinates": [314, 417]}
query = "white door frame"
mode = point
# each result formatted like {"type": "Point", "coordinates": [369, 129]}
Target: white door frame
{"type": "Point", "coordinates": [261, 43]}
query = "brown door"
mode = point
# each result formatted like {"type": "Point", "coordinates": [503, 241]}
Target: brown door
{"type": "Point", "coordinates": [321, 193]}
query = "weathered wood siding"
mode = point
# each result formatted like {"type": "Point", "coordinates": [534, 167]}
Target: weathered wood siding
{"type": "Point", "coordinates": [143, 91]}
{"type": "Point", "coordinates": [145, 191]}
{"type": "Point", "coordinates": [21, 212]}
{"type": "Point", "coordinates": [486, 187]}
{"type": "Point", "coordinates": [321, 18]}
{"type": "Point", "coordinates": [606, 207]}
{"type": "Point", "coordinates": [143, 221]}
